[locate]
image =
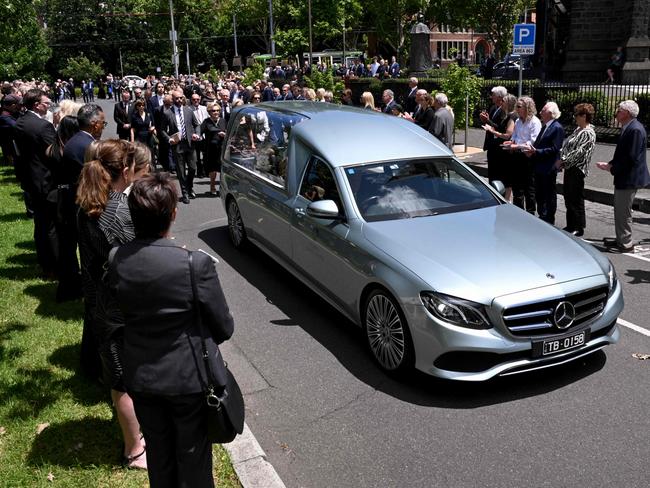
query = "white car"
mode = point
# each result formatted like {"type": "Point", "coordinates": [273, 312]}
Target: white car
{"type": "Point", "coordinates": [134, 81]}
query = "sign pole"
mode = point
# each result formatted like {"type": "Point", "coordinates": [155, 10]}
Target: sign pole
{"type": "Point", "coordinates": [521, 76]}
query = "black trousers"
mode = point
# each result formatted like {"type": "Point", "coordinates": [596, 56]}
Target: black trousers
{"type": "Point", "coordinates": [574, 199]}
{"type": "Point", "coordinates": [45, 238]}
{"type": "Point", "coordinates": [185, 169]}
{"type": "Point", "coordinates": [523, 184]}
{"type": "Point", "coordinates": [66, 229]}
{"type": "Point", "coordinates": [179, 454]}
{"type": "Point", "coordinates": [546, 196]}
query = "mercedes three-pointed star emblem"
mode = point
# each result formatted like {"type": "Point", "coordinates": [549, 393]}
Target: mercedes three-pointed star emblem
{"type": "Point", "coordinates": [564, 315]}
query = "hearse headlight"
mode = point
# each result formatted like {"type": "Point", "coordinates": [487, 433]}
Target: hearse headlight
{"type": "Point", "coordinates": [455, 311]}
{"type": "Point", "coordinates": [611, 276]}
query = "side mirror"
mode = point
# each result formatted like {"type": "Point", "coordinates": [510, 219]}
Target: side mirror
{"type": "Point", "coordinates": [323, 209]}
{"type": "Point", "coordinates": [499, 186]}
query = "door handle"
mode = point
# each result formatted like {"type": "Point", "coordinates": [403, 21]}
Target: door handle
{"type": "Point", "coordinates": [254, 193]}
{"type": "Point", "coordinates": [300, 212]}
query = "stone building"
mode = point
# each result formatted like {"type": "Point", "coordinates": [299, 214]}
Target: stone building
{"type": "Point", "coordinates": [582, 35]}
{"type": "Point", "coordinates": [472, 46]}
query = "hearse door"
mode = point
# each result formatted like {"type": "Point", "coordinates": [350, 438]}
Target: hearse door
{"type": "Point", "coordinates": [320, 246]}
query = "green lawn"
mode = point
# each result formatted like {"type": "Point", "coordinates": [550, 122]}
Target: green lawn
{"type": "Point", "coordinates": [40, 383]}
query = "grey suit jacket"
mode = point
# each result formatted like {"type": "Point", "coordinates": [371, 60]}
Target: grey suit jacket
{"type": "Point", "coordinates": [442, 127]}
{"type": "Point", "coordinates": [162, 347]}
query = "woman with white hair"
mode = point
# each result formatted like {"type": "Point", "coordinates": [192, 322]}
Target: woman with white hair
{"type": "Point", "coordinates": [527, 128]}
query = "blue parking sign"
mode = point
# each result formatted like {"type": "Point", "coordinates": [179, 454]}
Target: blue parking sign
{"type": "Point", "coordinates": [524, 39]}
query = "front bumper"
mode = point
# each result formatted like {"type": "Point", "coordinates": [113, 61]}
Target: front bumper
{"type": "Point", "coordinates": [458, 353]}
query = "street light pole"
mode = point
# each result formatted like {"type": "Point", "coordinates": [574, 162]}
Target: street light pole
{"type": "Point", "coordinates": [234, 28]}
{"type": "Point", "coordinates": [311, 46]}
{"type": "Point", "coordinates": [173, 38]}
{"type": "Point", "coordinates": [271, 28]}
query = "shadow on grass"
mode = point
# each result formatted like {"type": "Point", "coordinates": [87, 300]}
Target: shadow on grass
{"type": "Point", "coordinates": [10, 353]}
{"type": "Point", "coordinates": [48, 307]}
{"type": "Point", "coordinates": [87, 442]}
{"type": "Point", "coordinates": [31, 392]}
{"type": "Point", "coordinates": [84, 390]}
{"type": "Point", "coordinates": [22, 266]}
{"type": "Point", "coordinates": [26, 245]}
{"type": "Point", "coordinates": [14, 216]}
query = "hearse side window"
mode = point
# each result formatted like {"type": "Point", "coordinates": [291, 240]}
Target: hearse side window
{"type": "Point", "coordinates": [259, 142]}
{"type": "Point", "coordinates": [319, 183]}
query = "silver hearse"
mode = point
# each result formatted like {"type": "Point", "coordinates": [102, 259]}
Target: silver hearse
{"type": "Point", "coordinates": [382, 221]}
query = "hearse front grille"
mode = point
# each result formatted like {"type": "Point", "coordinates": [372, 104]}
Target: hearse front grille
{"type": "Point", "coordinates": [536, 319]}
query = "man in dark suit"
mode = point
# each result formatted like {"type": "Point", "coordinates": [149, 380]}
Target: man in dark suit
{"type": "Point", "coordinates": [630, 170]}
{"type": "Point", "coordinates": [91, 124]}
{"type": "Point", "coordinates": [494, 118]}
{"type": "Point", "coordinates": [156, 100]}
{"type": "Point", "coordinates": [181, 129]}
{"type": "Point", "coordinates": [545, 152]}
{"type": "Point", "coordinates": [410, 105]}
{"type": "Point", "coordinates": [122, 116]}
{"type": "Point", "coordinates": [34, 134]}
{"type": "Point", "coordinates": [388, 97]}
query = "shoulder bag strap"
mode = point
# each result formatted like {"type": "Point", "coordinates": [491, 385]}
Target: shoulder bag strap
{"type": "Point", "coordinates": [212, 398]}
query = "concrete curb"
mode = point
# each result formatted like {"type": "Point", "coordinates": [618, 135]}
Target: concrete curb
{"type": "Point", "coordinates": [249, 461]}
{"type": "Point", "coordinates": [592, 194]}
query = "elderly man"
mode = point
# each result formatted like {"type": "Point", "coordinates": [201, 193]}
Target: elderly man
{"type": "Point", "coordinates": [544, 152]}
{"type": "Point", "coordinates": [411, 104]}
{"type": "Point", "coordinates": [494, 118]}
{"type": "Point", "coordinates": [630, 170]}
{"type": "Point", "coordinates": [442, 125]}
{"type": "Point", "coordinates": [388, 97]}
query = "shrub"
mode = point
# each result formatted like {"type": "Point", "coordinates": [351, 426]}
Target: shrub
{"type": "Point", "coordinates": [458, 85]}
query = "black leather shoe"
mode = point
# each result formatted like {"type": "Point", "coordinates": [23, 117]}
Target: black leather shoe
{"type": "Point", "coordinates": [621, 249]}
{"type": "Point", "coordinates": [578, 233]}
{"type": "Point", "coordinates": [192, 195]}
{"type": "Point", "coordinates": [567, 229]}
{"type": "Point", "coordinates": [184, 199]}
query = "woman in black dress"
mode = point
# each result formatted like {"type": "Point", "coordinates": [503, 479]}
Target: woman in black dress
{"type": "Point", "coordinates": [213, 129]}
{"type": "Point", "coordinates": [104, 222]}
{"type": "Point", "coordinates": [141, 124]}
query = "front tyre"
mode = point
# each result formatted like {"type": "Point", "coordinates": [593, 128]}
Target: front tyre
{"type": "Point", "coordinates": [236, 227]}
{"type": "Point", "coordinates": [387, 333]}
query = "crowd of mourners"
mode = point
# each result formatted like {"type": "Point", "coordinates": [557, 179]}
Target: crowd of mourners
{"type": "Point", "coordinates": [99, 195]}
{"type": "Point", "coordinates": [526, 153]}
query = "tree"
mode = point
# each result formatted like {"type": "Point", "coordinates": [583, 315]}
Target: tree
{"type": "Point", "coordinates": [458, 84]}
{"type": "Point", "coordinates": [23, 49]}
{"type": "Point", "coordinates": [81, 68]}
{"type": "Point", "coordinates": [494, 17]}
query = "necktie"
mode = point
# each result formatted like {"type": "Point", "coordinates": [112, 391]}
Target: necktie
{"type": "Point", "coordinates": [182, 122]}
{"type": "Point", "coordinates": [541, 133]}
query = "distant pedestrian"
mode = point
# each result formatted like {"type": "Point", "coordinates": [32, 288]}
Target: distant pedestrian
{"type": "Point", "coordinates": [575, 158]}
{"type": "Point", "coordinates": [630, 170]}
{"type": "Point", "coordinates": [442, 125]}
{"type": "Point", "coordinates": [492, 121]}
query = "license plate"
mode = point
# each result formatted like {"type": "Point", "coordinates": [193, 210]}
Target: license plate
{"type": "Point", "coordinates": [554, 346]}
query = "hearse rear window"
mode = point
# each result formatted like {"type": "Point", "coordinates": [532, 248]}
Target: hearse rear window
{"type": "Point", "coordinates": [258, 142]}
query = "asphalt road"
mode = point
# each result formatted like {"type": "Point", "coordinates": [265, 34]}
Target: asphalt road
{"type": "Point", "coordinates": [327, 417]}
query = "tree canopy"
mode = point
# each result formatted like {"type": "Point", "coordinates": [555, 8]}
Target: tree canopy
{"type": "Point", "coordinates": [132, 36]}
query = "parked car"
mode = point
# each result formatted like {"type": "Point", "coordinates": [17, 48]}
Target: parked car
{"type": "Point", "coordinates": [411, 245]}
{"type": "Point", "coordinates": [134, 81]}
{"type": "Point", "coordinates": [510, 71]}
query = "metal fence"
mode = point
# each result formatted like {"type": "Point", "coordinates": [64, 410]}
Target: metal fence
{"type": "Point", "coordinates": [604, 97]}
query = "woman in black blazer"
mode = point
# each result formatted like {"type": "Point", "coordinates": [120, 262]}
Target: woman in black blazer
{"type": "Point", "coordinates": [141, 124]}
{"type": "Point", "coordinates": [150, 277]}
{"type": "Point", "coordinates": [214, 130]}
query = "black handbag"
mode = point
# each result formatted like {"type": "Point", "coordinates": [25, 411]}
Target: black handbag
{"type": "Point", "coordinates": [225, 406]}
